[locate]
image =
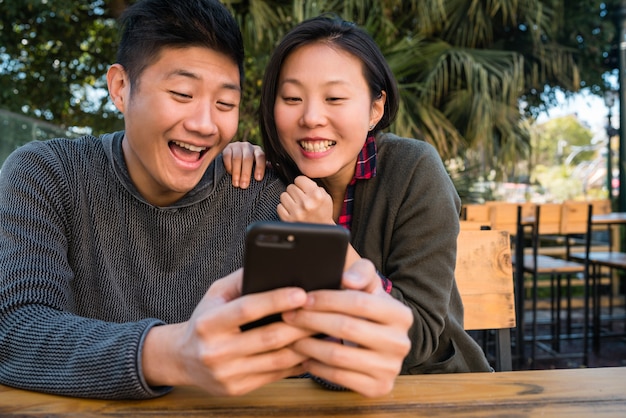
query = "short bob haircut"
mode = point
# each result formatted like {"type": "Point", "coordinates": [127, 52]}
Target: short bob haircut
{"type": "Point", "coordinates": [148, 26]}
{"type": "Point", "coordinates": [340, 34]}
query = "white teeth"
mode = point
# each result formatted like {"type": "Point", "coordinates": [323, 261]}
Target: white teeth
{"type": "Point", "coordinates": [190, 147]}
{"type": "Point", "coordinates": [317, 146]}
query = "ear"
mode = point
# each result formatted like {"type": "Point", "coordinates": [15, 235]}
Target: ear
{"type": "Point", "coordinates": [119, 86]}
{"type": "Point", "coordinates": [378, 108]}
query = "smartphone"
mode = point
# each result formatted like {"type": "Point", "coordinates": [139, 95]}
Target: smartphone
{"type": "Point", "coordinates": [282, 254]}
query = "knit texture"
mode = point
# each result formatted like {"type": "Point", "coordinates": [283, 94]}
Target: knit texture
{"type": "Point", "coordinates": [87, 266]}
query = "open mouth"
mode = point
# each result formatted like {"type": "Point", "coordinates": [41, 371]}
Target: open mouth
{"type": "Point", "coordinates": [187, 152]}
{"type": "Point", "coordinates": [317, 146]}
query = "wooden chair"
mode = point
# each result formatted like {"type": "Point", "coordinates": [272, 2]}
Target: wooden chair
{"type": "Point", "coordinates": [536, 264]}
{"type": "Point", "coordinates": [503, 216]}
{"type": "Point", "coordinates": [484, 277]}
{"type": "Point", "coordinates": [597, 260]}
{"type": "Point", "coordinates": [601, 206]}
{"type": "Point", "coordinates": [475, 212]}
{"type": "Point", "coordinates": [473, 225]}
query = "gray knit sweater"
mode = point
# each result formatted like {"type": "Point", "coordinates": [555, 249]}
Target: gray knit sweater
{"type": "Point", "coordinates": [87, 266]}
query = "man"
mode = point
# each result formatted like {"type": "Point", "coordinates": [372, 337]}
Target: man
{"type": "Point", "coordinates": [108, 245]}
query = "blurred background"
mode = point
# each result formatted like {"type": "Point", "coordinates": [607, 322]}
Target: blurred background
{"type": "Point", "coordinates": [520, 97]}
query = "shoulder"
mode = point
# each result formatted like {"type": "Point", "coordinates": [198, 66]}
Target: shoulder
{"type": "Point", "coordinates": [271, 184]}
{"type": "Point", "coordinates": [53, 162]}
{"type": "Point", "coordinates": [59, 149]}
{"type": "Point", "coordinates": [394, 145]}
{"type": "Point", "coordinates": [406, 154]}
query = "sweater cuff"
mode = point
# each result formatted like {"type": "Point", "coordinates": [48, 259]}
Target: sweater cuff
{"type": "Point", "coordinates": [151, 391]}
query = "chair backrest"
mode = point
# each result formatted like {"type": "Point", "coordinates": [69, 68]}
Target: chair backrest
{"type": "Point", "coordinates": [476, 212]}
{"type": "Point", "coordinates": [503, 216]}
{"type": "Point", "coordinates": [601, 206]}
{"type": "Point", "coordinates": [574, 217]}
{"type": "Point", "coordinates": [484, 276]}
{"type": "Point", "coordinates": [550, 220]}
{"type": "Point", "coordinates": [473, 225]}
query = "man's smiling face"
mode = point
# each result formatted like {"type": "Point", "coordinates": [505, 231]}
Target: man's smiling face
{"type": "Point", "coordinates": [181, 113]}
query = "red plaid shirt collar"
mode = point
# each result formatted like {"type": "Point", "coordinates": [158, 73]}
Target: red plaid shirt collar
{"type": "Point", "coordinates": [365, 169]}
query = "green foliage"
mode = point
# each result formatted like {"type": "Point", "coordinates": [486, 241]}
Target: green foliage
{"type": "Point", "coordinates": [554, 140]}
{"type": "Point", "coordinates": [562, 150]}
{"type": "Point", "coordinates": [463, 66]}
{"type": "Point", "coordinates": [53, 59]}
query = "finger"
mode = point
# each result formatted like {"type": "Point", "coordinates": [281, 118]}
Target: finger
{"type": "Point", "coordinates": [355, 368]}
{"type": "Point", "coordinates": [367, 384]}
{"type": "Point", "coordinates": [362, 275]}
{"type": "Point", "coordinates": [237, 159]}
{"type": "Point", "coordinates": [245, 164]}
{"type": "Point", "coordinates": [260, 163]}
{"type": "Point", "coordinates": [249, 308]}
{"type": "Point", "coordinates": [214, 318]}
{"type": "Point", "coordinates": [391, 338]}
{"type": "Point", "coordinates": [283, 213]}
{"type": "Point", "coordinates": [227, 155]}
{"type": "Point", "coordinates": [245, 382]}
{"type": "Point", "coordinates": [287, 206]}
{"type": "Point", "coordinates": [305, 183]}
{"type": "Point", "coordinates": [227, 288]}
{"type": "Point", "coordinates": [295, 193]}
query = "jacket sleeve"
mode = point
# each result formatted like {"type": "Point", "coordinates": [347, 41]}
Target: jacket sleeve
{"type": "Point", "coordinates": [411, 232]}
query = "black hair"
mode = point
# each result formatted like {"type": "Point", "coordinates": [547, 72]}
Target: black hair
{"type": "Point", "coordinates": [148, 26]}
{"type": "Point", "coordinates": [340, 34]}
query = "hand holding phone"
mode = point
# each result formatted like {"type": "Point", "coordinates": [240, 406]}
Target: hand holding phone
{"type": "Point", "coordinates": [281, 254]}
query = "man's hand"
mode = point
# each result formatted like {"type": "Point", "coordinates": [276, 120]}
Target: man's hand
{"type": "Point", "coordinates": [373, 325]}
{"type": "Point", "coordinates": [210, 351]}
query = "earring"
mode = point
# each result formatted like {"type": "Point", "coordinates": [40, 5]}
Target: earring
{"type": "Point", "coordinates": [371, 127]}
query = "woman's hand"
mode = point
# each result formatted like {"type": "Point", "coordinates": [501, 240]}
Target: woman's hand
{"type": "Point", "coordinates": [375, 324]}
{"type": "Point", "coordinates": [305, 201]}
{"type": "Point", "coordinates": [239, 158]}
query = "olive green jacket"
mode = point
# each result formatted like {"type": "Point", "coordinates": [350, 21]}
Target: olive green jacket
{"type": "Point", "coordinates": [406, 220]}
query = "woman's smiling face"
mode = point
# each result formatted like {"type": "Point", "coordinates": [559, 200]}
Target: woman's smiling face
{"type": "Point", "coordinates": [323, 110]}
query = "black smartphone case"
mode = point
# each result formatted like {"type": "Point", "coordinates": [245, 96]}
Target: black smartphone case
{"type": "Point", "coordinates": [281, 254]}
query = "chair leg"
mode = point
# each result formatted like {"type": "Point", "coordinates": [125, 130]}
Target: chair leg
{"type": "Point", "coordinates": [596, 308]}
{"type": "Point", "coordinates": [569, 306]}
{"type": "Point", "coordinates": [585, 333]}
{"type": "Point", "coordinates": [557, 326]}
{"type": "Point", "coordinates": [610, 292]}
{"type": "Point", "coordinates": [534, 319]}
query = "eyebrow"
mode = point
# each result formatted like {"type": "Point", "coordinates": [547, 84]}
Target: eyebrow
{"type": "Point", "coordinates": [184, 73]}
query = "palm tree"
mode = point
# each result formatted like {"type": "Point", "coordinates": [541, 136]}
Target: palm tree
{"type": "Point", "coordinates": [462, 66]}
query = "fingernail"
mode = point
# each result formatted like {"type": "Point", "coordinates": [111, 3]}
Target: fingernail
{"type": "Point", "coordinates": [354, 278]}
{"type": "Point", "coordinates": [297, 296]}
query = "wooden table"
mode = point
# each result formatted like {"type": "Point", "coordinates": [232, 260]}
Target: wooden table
{"type": "Point", "coordinates": [599, 392]}
{"type": "Point", "coordinates": [612, 219]}
{"type": "Point", "coordinates": [609, 218]}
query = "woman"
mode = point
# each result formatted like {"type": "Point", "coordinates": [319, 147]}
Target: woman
{"type": "Point", "coordinates": [327, 95]}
